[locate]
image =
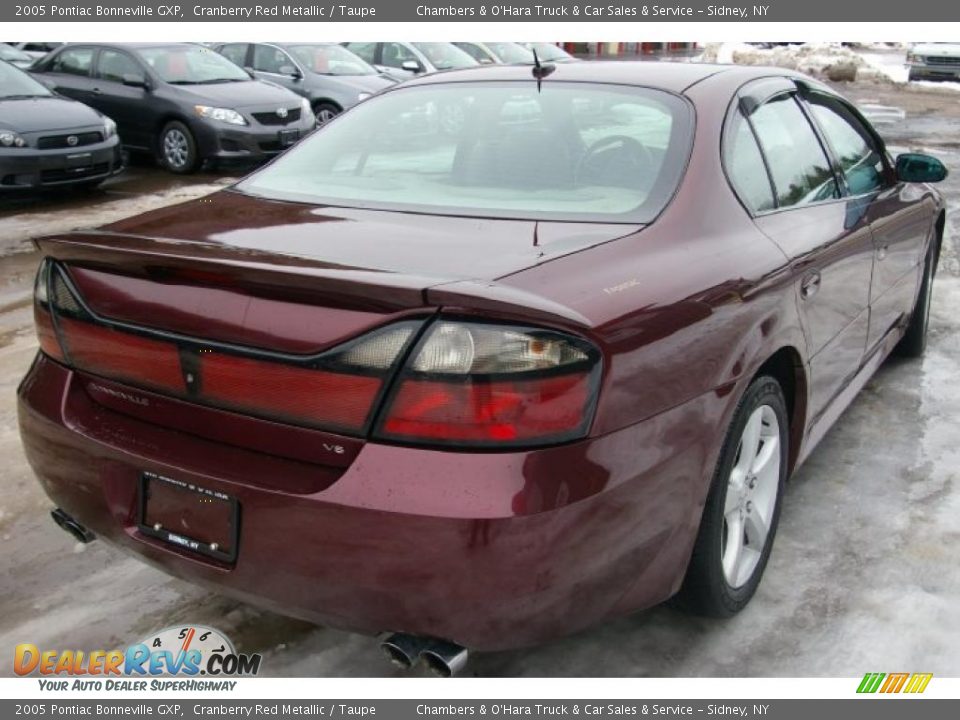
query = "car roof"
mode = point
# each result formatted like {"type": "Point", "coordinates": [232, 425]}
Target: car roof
{"type": "Point", "coordinates": [671, 76]}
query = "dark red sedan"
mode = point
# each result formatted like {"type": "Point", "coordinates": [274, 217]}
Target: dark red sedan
{"type": "Point", "coordinates": [485, 383]}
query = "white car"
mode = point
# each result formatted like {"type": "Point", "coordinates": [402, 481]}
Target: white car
{"type": "Point", "coordinates": [934, 61]}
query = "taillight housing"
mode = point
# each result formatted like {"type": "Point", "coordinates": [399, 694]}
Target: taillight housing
{"type": "Point", "coordinates": [447, 383]}
{"type": "Point", "coordinates": [337, 390]}
{"type": "Point", "coordinates": [475, 384]}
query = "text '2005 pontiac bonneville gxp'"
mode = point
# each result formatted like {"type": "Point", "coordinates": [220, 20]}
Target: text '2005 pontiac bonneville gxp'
{"type": "Point", "coordinates": [480, 384]}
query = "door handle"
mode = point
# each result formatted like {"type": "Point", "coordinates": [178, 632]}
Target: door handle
{"type": "Point", "coordinates": [96, 91]}
{"type": "Point", "coordinates": [810, 284]}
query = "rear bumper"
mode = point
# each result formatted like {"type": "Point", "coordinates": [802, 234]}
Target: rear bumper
{"type": "Point", "coordinates": [492, 551]}
{"type": "Point", "coordinates": [25, 168]}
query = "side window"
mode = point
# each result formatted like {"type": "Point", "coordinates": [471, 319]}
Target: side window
{"type": "Point", "coordinates": [744, 164]}
{"type": "Point", "coordinates": [800, 168]}
{"type": "Point", "coordinates": [272, 60]}
{"type": "Point", "coordinates": [367, 51]}
{"type": "Point", "coordinates": [395, 55]}
{"type": "Point", "coordinates": [235, 53]}
{"type": "Point", "coordinates": [856, 151]}
{"type": "Point", "coordinates": [113, 65]}
{"type": "Point", "coordinates": [75, 61]}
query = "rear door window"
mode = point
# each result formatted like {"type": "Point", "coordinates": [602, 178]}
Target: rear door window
{"type": "Point", "coordinates": [745, 166]}
{"type": "Point", "coordinates": [798, 163]}
{"type": "Point", "coordinates": [73, 61]}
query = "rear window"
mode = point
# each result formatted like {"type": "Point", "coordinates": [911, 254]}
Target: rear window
{"type": "Point", "coordinates": [572, 151]}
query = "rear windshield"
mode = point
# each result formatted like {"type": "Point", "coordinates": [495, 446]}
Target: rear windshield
{"type": "Point", "coordinates": [573, 151]}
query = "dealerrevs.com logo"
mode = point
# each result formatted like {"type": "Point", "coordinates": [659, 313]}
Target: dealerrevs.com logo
{"type": "Point", "coordinates": [181, 651]}
{"type": "Point", "coordinates": [889, 683]}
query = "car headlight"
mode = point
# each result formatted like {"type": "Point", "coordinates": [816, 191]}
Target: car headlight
{"type": "Point", "coordinates": [109, 128]}
{"type": "Point", "coordinates": [232, 117]}
{"type": "Point", "coordinates": [911, 58]}
{"type": "Point", "coordinates": [8, 138]}
{"type": "Point", "coordinates": [362, 96]}
{"type": "Point", "coordinates": [305, 108]}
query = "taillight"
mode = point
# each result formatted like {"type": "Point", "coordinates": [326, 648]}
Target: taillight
{"type": "Point", "coordinates": [473, 384]}
{"type": "Point", "coordinates": [42, 317]}
{"type": "Point", "coordinates": [336, 390]}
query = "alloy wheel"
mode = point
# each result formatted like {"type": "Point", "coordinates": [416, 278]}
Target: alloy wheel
{"type": "Point", "coordinates": [176, 148]}
{"type": "Point", "coordinates": [751, 498]}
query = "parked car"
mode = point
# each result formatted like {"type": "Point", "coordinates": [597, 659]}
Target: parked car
{"type": "Point", "coordinates": [488, 388]}
{"type": "Point", "coordinates": [10, 54]}
{"type": "Point", "coordinates": [328, 75]}
{"type": "Point", "coordinates": [402, 60]}
{"type": "Point", "coordinates": [934, 61]}
{"type": "Point", "coordinates": [182, 102]}
{"type": "Point", "coordinates": [508, 53]}
{"type": "Point", "coordinates": [49, 141]}
{"type": "Point", "coordinates": [548, 52]}
{"type": "Point", "coordinates": [35, 50]}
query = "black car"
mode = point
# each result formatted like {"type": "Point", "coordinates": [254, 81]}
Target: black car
{"type": "Point", "coordinates": [331, 77]}
{"type": "Point", "coordinates": [49, 141]}
{"type": "Point", "coordinates": [183, 102]}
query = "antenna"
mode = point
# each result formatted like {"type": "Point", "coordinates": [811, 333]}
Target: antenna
{"type": "Point", "coordinates": [540, 71]}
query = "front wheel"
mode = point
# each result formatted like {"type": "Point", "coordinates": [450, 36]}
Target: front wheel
{"type": "Point", "coordinates": [743, 506]}
{"type": "Point", "coordinates": [914, 340]}
{"type": "Point", "coordinates": [178, 149]}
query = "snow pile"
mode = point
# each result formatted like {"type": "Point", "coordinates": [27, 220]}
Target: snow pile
{"type": "Point", "coordinates": [825, 60]}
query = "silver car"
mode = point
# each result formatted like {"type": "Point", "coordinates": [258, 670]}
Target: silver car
{"type": "Point", "coordinates": [403, 60]}
{"type": "Point", "coordinates": [934, 61]}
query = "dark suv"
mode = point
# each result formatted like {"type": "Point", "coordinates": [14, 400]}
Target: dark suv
{"type": "Point", "coordinates": [185, 103]}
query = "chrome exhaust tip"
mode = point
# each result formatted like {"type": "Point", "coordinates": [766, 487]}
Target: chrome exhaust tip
{"type": "Point", "coordinates": [403, 650]}
{"type": "Point", "coordinates": [444, 659]}
{"type": "Point", "coordinates": [68, 524]}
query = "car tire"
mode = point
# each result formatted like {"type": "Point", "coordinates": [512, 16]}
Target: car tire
{"type": "Point", "coordinates": [914, 340]}
{"type": "Point", "coordinates": [324, 112]}
{"type": "Point", "coordinates": [177, 149]}
{"type": "Point", "coordinates": [722, 578]}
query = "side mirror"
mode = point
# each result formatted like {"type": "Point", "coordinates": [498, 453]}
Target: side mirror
{"type": "Point", "coordinates": [139, 81]}
{"type": "Point", "coordinates": [917, 168]}
{"type": "Point", "coordinates": [249, 71]}
{"type": "Point", "coordinates": [48, 83]}
{"type": "Point", "coordinates": [291, 71]}
{"type": "Point", "coordinates": [413, 66]}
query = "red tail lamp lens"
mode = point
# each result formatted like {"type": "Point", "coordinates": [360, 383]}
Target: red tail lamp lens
{"type": "Point", "coordinates": [122, 355]}
{"type": "Point", "coordinates": [287, 392]}
{"type": "Point", "coordinates": [46, 333]}
{"type": "Point", "coordinates": [499, 411]}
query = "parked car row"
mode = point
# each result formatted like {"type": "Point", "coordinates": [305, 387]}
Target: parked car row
{"type": "Point", "coordinates": [186, 103]}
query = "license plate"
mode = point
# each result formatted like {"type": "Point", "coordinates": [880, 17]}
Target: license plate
{"type": "Point", "coordinates": [79, 161]}
{"type": "Point", "coordinates": [190, 517]}
{"type": "Point", "coordinates": [289, 137]}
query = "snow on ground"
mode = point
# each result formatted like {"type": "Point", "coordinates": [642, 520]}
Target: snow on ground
{"type": "Point", "coordinates": [819, 59]}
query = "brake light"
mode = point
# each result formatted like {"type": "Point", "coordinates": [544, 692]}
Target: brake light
{"type": "Point", "coordinates": [488, 385]}
{"type": "Point", "coordinates": [336, 390]}
{"type": "Point", "coordinates": [42, 317]}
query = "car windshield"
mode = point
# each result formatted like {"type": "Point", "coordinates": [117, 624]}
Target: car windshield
{"type": "Point", "coordinates": [191, 65]}
{"type": "Point", "coordinates": [14, 83]}
{"type": "Point", "coordinates": [548, 52]}
{"type": "Point", "coordinates": [570, 152]}
{"type": "Point", "coordinates": [330, 60]}
{"type": "Point", "coordinates": [509, 52]}
{"type": "Point", "coordinates": [445, 56]}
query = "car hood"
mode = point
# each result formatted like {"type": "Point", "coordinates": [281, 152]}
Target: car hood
{"type": "Point", "coordinates": [233, 225]}
{"type": "Point", "coordinates": [356, 83]}
{"type": "Point", "coordinates": [237, 95]}
{"type": "Point", "coordinates": [45, 114]}
{"type": "Point", "coordinates": [937, 49]}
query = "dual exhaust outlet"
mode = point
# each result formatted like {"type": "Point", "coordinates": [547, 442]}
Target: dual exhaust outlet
{"type": "Point", "coordinates": [442, 658]}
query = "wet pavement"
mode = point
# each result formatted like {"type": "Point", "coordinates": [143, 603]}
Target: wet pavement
{"type": "Point", "coordinates": [863, 575]}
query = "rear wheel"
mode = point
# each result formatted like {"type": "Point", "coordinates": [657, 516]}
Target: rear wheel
{"type": "Point", "coordinates": [325, 112]}
{"type": "Point", "coordinates": [178, 149]}
{"type": "Point", "coordinates": [743, 506]}
{"type": "Point", "coordinates": [914, 340]}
